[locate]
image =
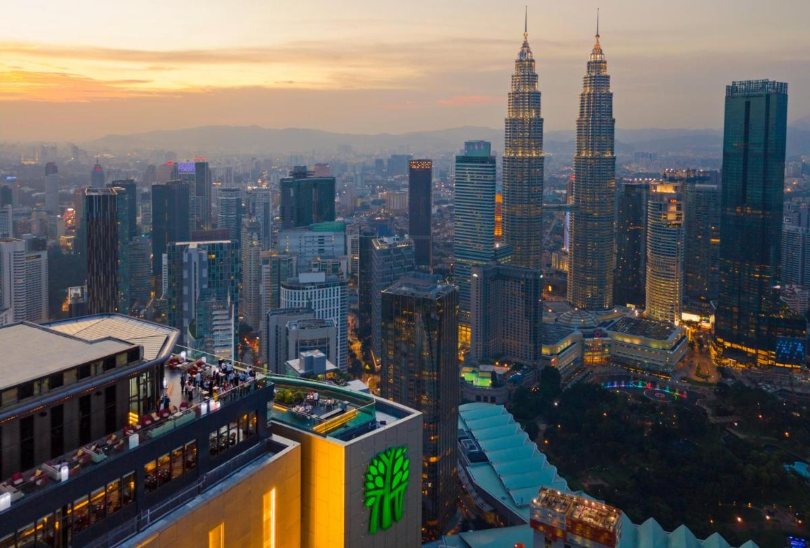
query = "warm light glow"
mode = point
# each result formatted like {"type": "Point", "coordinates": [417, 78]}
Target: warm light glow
{"type": "Point", "coordinates": [269, 518]}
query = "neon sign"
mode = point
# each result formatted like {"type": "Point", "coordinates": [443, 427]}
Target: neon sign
{"type": "Point", "coordinates": [385, 486]}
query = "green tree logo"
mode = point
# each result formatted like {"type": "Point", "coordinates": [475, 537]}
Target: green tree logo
{"type": "Point", "coordinates": [386, 482]}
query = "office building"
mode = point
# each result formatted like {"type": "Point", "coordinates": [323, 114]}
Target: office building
{"type": "Point", "coordinates": [51, 188]}
{"type": "Point", "coordinates": [306, 199]}
{"type": "Point", "coordinates": [171, 219]}
{"type": "Point", "coordinates": [140, 271]}
{"type": "Point", "coordinates": [796, 244]}
{"type": "Point", "coordinates": [106, 225]}
{"type": "Point", "coordinates": [420, 370]}
{"type": "Point", "coordinates": [23, 282]}
{"type": "Point", "coordinates": [592, 252]}
{"type": "Point", "coordinates": [750, 319]}
{"type": "Point", "coordinates": [260, 200]}
{"type": "Point", "coordinates": [382, 262]}
{"type": "Point", "coordinates": [631, 242]}
{"type": "Point", "coordinates": [327, 240]}
{"type": "Point", "coordinates": [275, 268]}
{"type": "Point", "coordinates": [701, 247]}
{"type": "Point", "coordinates": [397, 165]}
{"type": "Point", "coordinates": [299, 337]}
{"type": "Point", "coordinates": [506, 314]}
{"type": "Point", "coordinates": [665, 252]}
{"type": "Point", "coordinates": [130, 190]}
{"type": "Point", "coordinates": [327, 296]}
{"type": "Point", "coordinates": [251, 256]}
{"type": "Point", "coordinates": [6, 221]}
{"type": "Point", "coordinates": [420, 210]}
{"type": "Point", "coordinates": [276, 349]}
{"type": "Point", "coordinates": [229, 212]}
{"type": "Point", "coordinates": [202, 294]}
{"type": "Point", "coordinates": [97, 178]}
{"type": "Point", "coordinates": [197, 175]}
{"type": "Point", "coordinates": [523, 164]}
{"type": "Point", "coordinates": [474, 226]}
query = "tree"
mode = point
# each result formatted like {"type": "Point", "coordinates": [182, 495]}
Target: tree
{"type": "Point", "coordinates": [386, 482]}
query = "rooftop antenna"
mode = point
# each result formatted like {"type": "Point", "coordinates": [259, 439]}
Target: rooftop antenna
{"type": "Point", "coordinates": [597, 23]}
{"type": "Point", "coordinates": [526, 22]}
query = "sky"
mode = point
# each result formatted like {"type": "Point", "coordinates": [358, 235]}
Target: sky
{"type": "Point", "coordinates": [78, 70]}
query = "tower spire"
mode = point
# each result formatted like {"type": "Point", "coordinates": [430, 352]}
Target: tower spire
{"type": "Point", "coordinates": [597, 23]}
{"type": "Point", "coordinates": [526, 22]}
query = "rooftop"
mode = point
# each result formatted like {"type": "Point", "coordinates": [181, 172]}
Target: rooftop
{"type": "Point", "coordinates": [420, 285]}
{"type": "Point", "coordinates": [157, 340]}
{"type": "Point", "coordinates": [554, 333]}
{"type": "Point", "coordinates": [642, 327]}
{"type": "Point", "coordinates": [48, 350]}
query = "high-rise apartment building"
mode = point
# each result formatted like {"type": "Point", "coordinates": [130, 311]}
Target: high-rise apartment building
{"type": "Point", "coordinates": [202, 294]}
{"type": "Point", "coordinates": [382, 262]}
{"type": "Point", "coordinates": [327, 296]}
{"type": "Point", "coordinates": [420, 369]}
{"type": "Point", "coordinates": [523, 164]}
{"type": "Point", "coordinates": [51, 188]}
{"type": "Point", "coordinates": [592, 256]}
{"type": "Point", "coordinates": [171, 218]}
{"type": "Point", "coordinates": [749, 318]}
{"type": "Point", "coordinates": [106, 224]}
{"type": "Point", "coordinates": [260, 200]}
{"type": "Point", "coordinates": [23, 282]}
{"type": "Point", "coordinates": [631, 242]}
{"type": "Point", "coordinates": [306, 199]}
{"type": "Point", "coordinates": [251, 256]}
{"type": "Point", "coordinates": [665, 252]}
{"type": "Point", "coordinates": [420, 210]}
{"type": "Point", "coordinates": [506, 314]}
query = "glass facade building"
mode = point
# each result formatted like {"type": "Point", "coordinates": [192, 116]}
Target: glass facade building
{"type": "Point", "coordinates": [420, 212]}
{"type": "Point", "coordinates": [592, 253]}
{"type": "Point", "coordinates": [631, 234]}
{"type": "Point", "coordinates": [306, 199]}
{"type": "Point", "coordinates": [106, 221]}
{"type": "Point", "coordinates": [665, 249]}
{"type": "Point", "coordinates": [171, 218]}
{"type": "Point", "coordinates": [749, 318]}
{"type": "Point", "coordinates": [420, 370]}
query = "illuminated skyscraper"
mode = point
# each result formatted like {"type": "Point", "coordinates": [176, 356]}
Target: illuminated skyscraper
{"type": "Point", "coordinates": [749, 318]}
{"type": "Point", "coordinates": [106, 221]}
{"type": "Point", "coordinates": [420, 204]}
{"type": "Point", "coordinates": [523, 164]}
{"type": "Point", "coordinates": [592, 254]}
{"type": "Point", "coordinates": [665, 248]}
{"type": "Point", "coordinates": [420, 368]}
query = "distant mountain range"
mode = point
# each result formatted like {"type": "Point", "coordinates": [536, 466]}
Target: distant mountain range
{"type": "Point", "coordinates": [259, 140]}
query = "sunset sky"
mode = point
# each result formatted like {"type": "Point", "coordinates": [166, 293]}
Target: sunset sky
{"type": "Point", "coordinates": [81, 69]}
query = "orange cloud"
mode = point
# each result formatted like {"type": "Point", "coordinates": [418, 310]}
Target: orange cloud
{"type": "Point", "coordinates": [17, 85]}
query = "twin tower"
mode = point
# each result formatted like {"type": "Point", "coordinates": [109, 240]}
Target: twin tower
{"type": "Point", "coordinates": [591, 252]}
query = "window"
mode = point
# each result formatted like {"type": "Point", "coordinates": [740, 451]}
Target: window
{"type": "Point", "coordinates": [110, 409]}
{"type": "Point", "coordinates": [26, 443]}
{"type": "Point", "coordinates": [128, 489]}
{"type": "Point", "coordinates": [83, 371]}
{"type": "Point", "coordinates": [57, 430]}
{"type": "Point", "coordinates": [81, 514]}
{"type": "Point", "coordinates": [25, 390]}
{"type": "Point", "coordinates": [109, 363]}
{"type": "Point", "coordinates": [84, 420]}
{"type": "Point", "coordinates": [98, 505]}
{"type": "Point", "coordinates": [56, 380]}
{"type": "Point", "coordinates": [170, 466]}
{"type": "Point", "coordinates": [113, 496]}
{"type": "Point", "coordinates": [216, 536]}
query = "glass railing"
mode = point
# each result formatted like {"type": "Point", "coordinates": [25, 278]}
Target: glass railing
{"type": "Point", "coordinates": [84, 459]}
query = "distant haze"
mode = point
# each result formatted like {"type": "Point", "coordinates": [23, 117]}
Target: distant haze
{"type": "Point", "coordinates": [87, 69]}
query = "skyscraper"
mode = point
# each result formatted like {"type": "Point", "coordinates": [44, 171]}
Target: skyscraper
{"type": "Point", "coordinates": [97, 176]}
{"type": "Point", "coordinates": [106, 229]}
{"type": "Point", "coordinates": [131, 201]}
{"type": "Point", "coordinates": [229, 212]}
{"type": "Point", "coordinates": [749, 317]}
{"type": "Point", "coordinates": [420, 210]}
{"type": "Point", "coordinates": [631, 242]}
{"type": "Point", "coordinates": [251, 251]}
{"type": "Point", "coordinates": [328, 297]}
{"type": "Point", "coordinates": [51, 188]}
{"type": "Point", "coordinates": [796, 244]}
{"type": "Point", "coordinates": [306, 199]}
{"type": "Point", "coordinates": [474, 226]}
{"type": "Point", "coordinates": [420, 369]}
{"type": "Point", "coordinates": [506, 314]}
{"type": "Point", "coordinates": [665, 248]}
{"type": "Point", "coordinates": [523, 164]}
{"type": "Point", "coordinates": [592, 254]}
{"type": "Point", "coordinates": [23, 282]}
{"type": "Point", "coordinates": [701, 247]}
{"type": "Point", "coordinates": [171, 219]}
{"type": "Point", "coordinates": [202, 294]}
{"type": "Point", "coordinates": [140, 270]}
{"type": "Point", "coordinates": [275, 268]}
{"type": "Point", "coordinates": [198, 176]}
{"type": "Point", "coordinates": [383, 261]}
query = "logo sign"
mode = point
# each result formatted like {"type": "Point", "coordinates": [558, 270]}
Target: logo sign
{"type": "Point", "coordinates": [385, 486]}
{"type": "Point", "coordinates": [185, 167]}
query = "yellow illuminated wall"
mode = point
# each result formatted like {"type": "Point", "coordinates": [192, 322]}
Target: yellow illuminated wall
{"type": "Point", "coordinates": [261, 510]}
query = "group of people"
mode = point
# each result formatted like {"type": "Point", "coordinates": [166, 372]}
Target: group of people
{"type": "Point", "coordinates": [197, 378]}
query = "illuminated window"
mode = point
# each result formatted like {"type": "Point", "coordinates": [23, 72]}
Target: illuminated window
{"type": "Point", "coordinates": [216, 536]}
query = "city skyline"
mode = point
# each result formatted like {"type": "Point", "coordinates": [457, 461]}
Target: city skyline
{"type": "Point", "coordinates": [288, 67]}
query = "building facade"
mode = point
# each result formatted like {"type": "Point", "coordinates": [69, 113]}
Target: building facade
{"type": "Point", "coordinates": [23, 282]}
{"type": "Point", "coordinates": [592, 253]}
{"type": "Point", "coordinates": [106, 229]}
{"type": "Point", "coordinates": [631, 241]}
{"type": "Point", "coordinates": [306, 199]}
{"type": "Point", "coordinates": [420, 369]}
{"type": "Point", "coordinates": [523, 164]}
{"type": "Point", "coordinates": [420, 210]}
{"type": "Point", "coordinates": [171, 218]}
{"type": "Point", "coordinates": [665, 253]}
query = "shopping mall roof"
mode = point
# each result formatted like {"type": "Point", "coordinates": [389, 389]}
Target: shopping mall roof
{"type": "Point", "coordinates": [157, 340]}
{"type": "Point", "coordinates": [513, 472]}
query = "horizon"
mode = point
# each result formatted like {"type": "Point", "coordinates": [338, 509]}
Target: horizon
{"type": "Point", "coordinates": [82, 75]}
